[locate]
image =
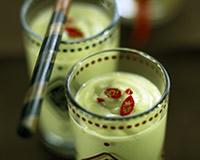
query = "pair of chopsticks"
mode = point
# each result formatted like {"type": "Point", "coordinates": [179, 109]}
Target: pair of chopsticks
{"type": "Point", "coordinates": [43, 69]}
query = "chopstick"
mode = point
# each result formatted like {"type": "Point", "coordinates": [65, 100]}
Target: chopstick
{"type": "Point", "coordinates": [42, 71]}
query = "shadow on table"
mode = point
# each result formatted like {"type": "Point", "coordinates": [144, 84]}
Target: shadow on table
{"type": "Point", "coordinates": [182, 140]}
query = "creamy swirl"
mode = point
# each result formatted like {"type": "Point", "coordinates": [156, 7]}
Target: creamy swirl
{"type": "Point", "coordinates": [92, 95]}
{"type": "Point", "coordinates": [80, 18]}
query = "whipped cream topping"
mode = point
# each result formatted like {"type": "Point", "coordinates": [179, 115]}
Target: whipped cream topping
{"type": "Point", "coordinates": [118, 94]}
{"type": "Point", "coordinates": [79, 19]}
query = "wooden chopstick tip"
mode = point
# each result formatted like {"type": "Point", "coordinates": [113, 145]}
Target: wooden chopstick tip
{"type": "Point", "coordinates": [27, 127]}
{"type": "Point", "coordinates": [24, 132]}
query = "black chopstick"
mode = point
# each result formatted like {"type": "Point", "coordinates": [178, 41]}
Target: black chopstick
{"type": "Point", "coordinates": [41, 74]}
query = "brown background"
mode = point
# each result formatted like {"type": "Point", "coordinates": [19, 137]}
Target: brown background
{"type": "Point", "coordinates": [10, 29]}
{"type": "Point", "coordinates": [176, 44]}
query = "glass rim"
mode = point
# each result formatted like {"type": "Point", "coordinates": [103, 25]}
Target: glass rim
{"type": "Point", "coordinates": [69, 77]}
{"type": "Point", "coordinates": [27, 4]}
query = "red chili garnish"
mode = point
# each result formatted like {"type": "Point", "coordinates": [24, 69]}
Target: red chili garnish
{"type": "Point", "coordinates": [100, 100]}
{"type": "Point", "coordinates": [114, 93]}
{"type": "Point", "coordinates": [129, 91]}
{"type": "Point", "coordinates": [74, 32]}
{"type": "Point", "coordinates": [127, 106]}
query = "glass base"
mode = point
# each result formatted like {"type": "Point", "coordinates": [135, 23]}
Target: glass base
{"type": "Point", "coordinates": [54, 124]}
{"type": "Point", "coordinates": [58, 146]}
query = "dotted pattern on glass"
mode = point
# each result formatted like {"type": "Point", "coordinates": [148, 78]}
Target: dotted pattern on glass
{"type": "Point", "coordinates": [157, 112]}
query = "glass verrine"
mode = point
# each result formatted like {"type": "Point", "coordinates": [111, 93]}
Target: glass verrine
{"type": "Point", "coordinates": [108, 133]}
{"type": "Point", "coordinates": [91, 26]}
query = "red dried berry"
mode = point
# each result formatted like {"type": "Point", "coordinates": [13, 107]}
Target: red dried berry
{"type": "Point", "coordinates": [114, 93]}
{"type": "Point", "coordinates": [127, 106]}
{"type": "Point", "coordinates": [100, 100]}
{"type": "Point", "coordinates": [74, 32]}
{"type": "Point", "coordinates": [129, 91]}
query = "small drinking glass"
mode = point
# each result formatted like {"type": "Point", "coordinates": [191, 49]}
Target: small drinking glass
{"type": "Point", "coordinates": [138, 136]}
{"type": "Point", "coordinates": [91, 26]}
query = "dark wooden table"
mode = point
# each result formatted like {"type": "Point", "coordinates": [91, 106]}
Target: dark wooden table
{"type": "Point", "coordinates": [182, 140]}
